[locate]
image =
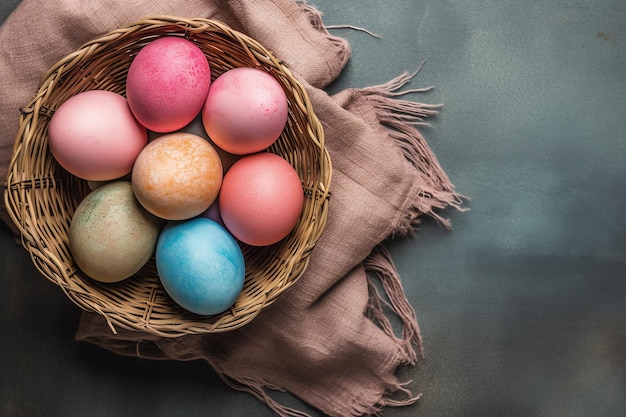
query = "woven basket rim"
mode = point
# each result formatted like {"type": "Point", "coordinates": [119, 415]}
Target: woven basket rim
{"type": "Point", "coordinates": [40, 199]}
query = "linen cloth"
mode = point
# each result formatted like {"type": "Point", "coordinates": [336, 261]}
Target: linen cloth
{"type": "Point", "coordinates": [329, 339]}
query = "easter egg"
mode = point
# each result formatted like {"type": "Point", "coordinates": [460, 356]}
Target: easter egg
{"type": "Point", "coordinates": [111, 235]}
{"type": "Point", "coordinates": [167, 83]}
{"type": "Point", "coordinates": [261, 199]}
{"type": "Point", "coordinates": [177, 176]}
{"type": "Point", "coordinates": [245, 110]}
{"type": "Point", "coordinates": [200, 265]}
{"type": "Point", "coordinates": [94, 136]}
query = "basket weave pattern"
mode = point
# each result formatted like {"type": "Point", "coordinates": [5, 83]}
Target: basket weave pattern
{"type": "Point", "coordinates": [41, 197]}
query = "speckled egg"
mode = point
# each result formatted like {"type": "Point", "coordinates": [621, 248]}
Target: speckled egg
{"type": "Point", "coordinates": [111, 235]}
{"type": "Point", "coordinates": [177, 176]}
{"type": "Point", "coordinates": [167, 83]}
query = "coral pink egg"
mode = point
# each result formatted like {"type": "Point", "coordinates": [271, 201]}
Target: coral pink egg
{"type": "Point", "coordinates": [167, 83]}
{"type": "Point", "coordinates": [245, 111]}
{"type": "Point", "coordinates": [261, 199]}
{"type": "Point", "coordinates": [94, 136]}
{"type": "Point", "coordinates": [177, 176]}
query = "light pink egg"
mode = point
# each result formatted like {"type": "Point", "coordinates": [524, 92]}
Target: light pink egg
{"type": "Point", "coordinates": [245, 111]}
{"type": "Point", "coordinates": [167, 83]}
{"type": "Point", "coordinates": [261, 199]}
{"type": "Point", "coordinates": [94, 135]}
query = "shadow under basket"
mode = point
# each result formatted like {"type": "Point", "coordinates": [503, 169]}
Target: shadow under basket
{"type": "Point", "coordinates": [41, 197]}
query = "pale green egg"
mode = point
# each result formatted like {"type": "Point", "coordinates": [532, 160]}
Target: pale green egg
{"type": "Point", "coordinates": [111, 235]}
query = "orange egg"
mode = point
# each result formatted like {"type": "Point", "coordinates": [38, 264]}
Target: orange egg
{"type": "Point", "coordinates": [177, 176]}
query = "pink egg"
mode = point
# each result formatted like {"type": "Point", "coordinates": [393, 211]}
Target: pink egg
{"type": "Point", "coordinates": [245, 111]}
{"type": "Point", "coordinates": [94, 135]}
{"type": "Point", "coordinates": [167, 83]}
{"type": "Point", "coordinates": [261, 199]}
{"type": "Point", "coordinates": [177, 176]}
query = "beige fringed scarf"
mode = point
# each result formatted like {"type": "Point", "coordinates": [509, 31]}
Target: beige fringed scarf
{"type": "Point", "coordinates": [329, 339]}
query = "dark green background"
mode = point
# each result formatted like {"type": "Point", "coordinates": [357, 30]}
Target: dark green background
{"type": "Point", "coordinates": [522, 305]}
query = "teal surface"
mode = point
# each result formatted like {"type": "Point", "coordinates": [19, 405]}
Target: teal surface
{"type": "Point", "coordinates": [522, 305]}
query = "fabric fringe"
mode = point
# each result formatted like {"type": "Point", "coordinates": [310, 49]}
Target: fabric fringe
{"type": "Point", "coordinates": [357, 28]}
{"type": "Point", "coordinates": [401, 117]}
{"type": "Point", "coordinates": [380, 264]}
{"type": "Point", "coordinates": [362, 409]}
{"type": "Point", "coordinates": [398, 396]}
{"type": "Point", "coordinates": [316, 19]}
{"type": "Point", "coordinates": [257, 388]}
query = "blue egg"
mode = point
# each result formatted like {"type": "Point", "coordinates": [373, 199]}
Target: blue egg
{"type": "Point", "coordinates": [200, 265]}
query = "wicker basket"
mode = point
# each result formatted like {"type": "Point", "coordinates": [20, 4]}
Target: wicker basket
{"type": "Point", "coordinates": [41, 197]}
